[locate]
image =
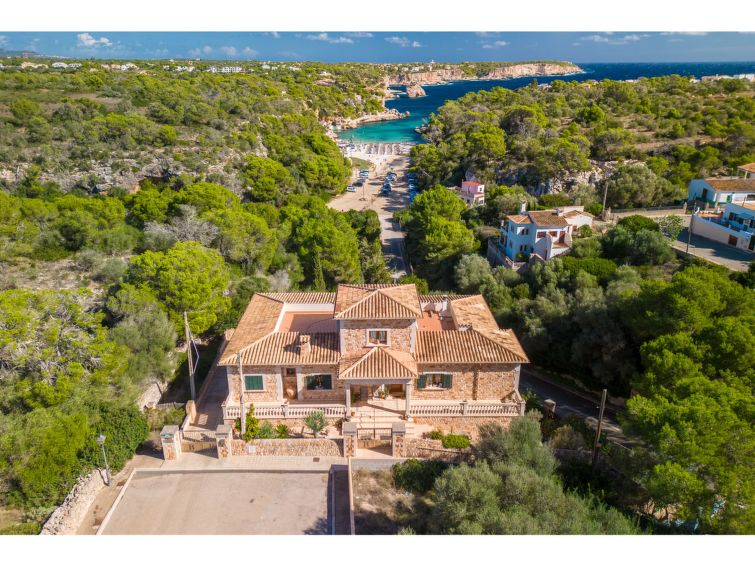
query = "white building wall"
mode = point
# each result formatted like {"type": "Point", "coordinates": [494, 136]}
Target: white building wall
{"type": "Point", "coordinates": [718, 233]}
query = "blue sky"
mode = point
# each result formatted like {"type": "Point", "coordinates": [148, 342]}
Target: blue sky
{"type": "Point", "coordinates": [593, 47]}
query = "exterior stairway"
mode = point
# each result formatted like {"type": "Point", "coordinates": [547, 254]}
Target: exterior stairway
{"type": "Point", "coordinates": [373, 418]}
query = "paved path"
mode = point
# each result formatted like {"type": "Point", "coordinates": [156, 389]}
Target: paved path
{"type": "Point", "coordinates": [715, 252]}
{"type": "Point", "coordinates": [209, 409]}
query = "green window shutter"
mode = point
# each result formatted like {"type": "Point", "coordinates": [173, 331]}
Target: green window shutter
{"type": "Point", "coordinates": [327, 382]}
{"type": "Point", "coordinates": [422, 382]}
{"type": "Point", "coordinates": [447, 380]}
{"type": "Point", "coordinates": [253, 383]}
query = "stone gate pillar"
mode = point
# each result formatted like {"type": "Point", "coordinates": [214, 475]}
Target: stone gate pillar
{"type": "Point", "coordinates": [349, 439]}
{"type": "Point", "coordinates": [398, 437]}
{"type": "Point", "coordinates": [170, 436]}
{"type": "Point", "coordinates": [224, 441]}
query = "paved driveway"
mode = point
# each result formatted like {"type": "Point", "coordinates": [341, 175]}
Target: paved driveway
{"type": "Point", "coordinates": [715, 252]}
{"type": "Point", "coordinates": [230, 502]}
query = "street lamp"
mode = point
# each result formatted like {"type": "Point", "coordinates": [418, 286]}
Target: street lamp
{"type": "Point", "coordinates": [101, 442]}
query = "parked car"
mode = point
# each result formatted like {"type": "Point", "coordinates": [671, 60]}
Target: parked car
{"type": "Point", "coordinates": [351, 189]}
{"type": "Point", "coordinates": [359, 182]}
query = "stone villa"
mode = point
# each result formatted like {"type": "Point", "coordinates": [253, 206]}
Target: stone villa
{"type": "Point", "coordinates": [373, 355]}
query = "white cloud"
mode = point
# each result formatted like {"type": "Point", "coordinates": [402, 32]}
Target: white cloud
{"type": "Point", "coordinates": [684, 33]}
{"type": "Point", "coordinates": [88, 40]}
{"type": "Point", "coordinates": [229, 50]}
{"type": "Point", "coordinates": [358, 34]}
{"type": "Point", "coordinates": [402, 41]}
{"type": "Point", "coordinates": [495, 45]}
{"type": "Point", "coordinates": [608, 38]}
{"type": "Point", "coordinates": [275, 34]}
{"type": "Point", "coordinates": [329, 38]}
{"type": "Point", "coordinates": [249, 52]}
{"type": "Point", "coordinates": [199, 51]}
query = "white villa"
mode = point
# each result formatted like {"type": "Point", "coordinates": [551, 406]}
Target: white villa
{"type": "Point", "coordinates": [723, 190]}
{"type": "Point", "coordinates": [734, 226]}
{"type": "Point", "coordinates": [543, 234]}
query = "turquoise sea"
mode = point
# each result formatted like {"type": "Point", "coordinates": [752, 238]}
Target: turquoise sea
{"type": "Point", "coordinates": [421, 108]}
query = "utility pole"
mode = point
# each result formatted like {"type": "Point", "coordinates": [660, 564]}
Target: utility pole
{"type": "Point", "coordinates": [600, 427]}
{"type": "Point", "coordinates": [101, 442]}
{"type": "Point", "coordinates": [241, 394]}
{"type": "Point", "coordinates": [189, 356]}
{"type": "Point", "coordinates": [605, 195]}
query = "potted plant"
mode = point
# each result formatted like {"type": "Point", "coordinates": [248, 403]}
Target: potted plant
{"type": "Point", "coordinates": [315, 421]}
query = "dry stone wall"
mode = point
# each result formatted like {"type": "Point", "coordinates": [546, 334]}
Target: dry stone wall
{"type": "Point", "coordinates": [290, 447]}
{"type": "Point", "coordinates": [65, 520]}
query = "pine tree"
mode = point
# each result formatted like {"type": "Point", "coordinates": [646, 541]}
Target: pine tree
{"type": "Point", "coordinates": [318, 279]}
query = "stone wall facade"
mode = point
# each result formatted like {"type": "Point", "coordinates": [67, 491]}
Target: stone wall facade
{"type": "Point", "coordinates": [354, 333]}
{"type": "Point", "coordinates": [65, 520]}
{"type": "Point", "coordinates": [492, 383]}
{"type": "Point", "coordinates": [432, 450]}
{"type": "Point", "coordinates": [463, 425]}
{"type": "Point", "coordinates": [332, 447]}
{"type": "Point", "coordinates": [270, 378]}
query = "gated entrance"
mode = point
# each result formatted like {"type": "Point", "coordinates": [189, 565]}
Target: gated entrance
{"type": "Point", "coordinates": [373, 437]}
{"type": "Point", "coordinates": [197, 440]}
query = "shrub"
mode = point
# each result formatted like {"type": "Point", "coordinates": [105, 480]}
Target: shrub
{"type": "Point", "coordinates": [635, 223]}
{"type": "Point", "coordinates": [436, 434]}
{"type": "Point", "coordinates": [315, 421]}
{"type": "Point", "coordinates": [265, 430]}
{"type": "Point", "coordinates": [566, 437]}
{"type": "Point", "coordinates": [459, 441]}
{"type": "Point", "coordinates": [584, 231]}
{"type": "Point", "coordinates": [124, 427]}
{"type": "Point", "coordinates": [417, 476]}
{"type": "Point", "coordinates": [281, 431]}
{"type": "Point", "coordinates": [252, 425]}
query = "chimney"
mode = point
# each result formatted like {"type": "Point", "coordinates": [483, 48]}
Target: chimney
{"type": "Point", "coordinates": [304, 345]}
{"type": "Point", "coordinates": [523, 207]}
{"type": "Point", "coordinates": [559, 211]}
{"type": "Point", "coordinates": [465, 327]}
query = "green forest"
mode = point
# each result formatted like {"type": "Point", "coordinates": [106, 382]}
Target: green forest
{"type": "Point", "coordinates": [228, 179]}
{"type": "Point", "coordinates": [677, 128]}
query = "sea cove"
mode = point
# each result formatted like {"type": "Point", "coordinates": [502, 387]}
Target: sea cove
{"type": "Point", "coordinates": [403, 130]}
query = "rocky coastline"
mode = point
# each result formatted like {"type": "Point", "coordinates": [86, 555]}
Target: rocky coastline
{"type": "Point", "coordinates": [348, 123]}
{"type": "Point", "coordinates": [442, 76]}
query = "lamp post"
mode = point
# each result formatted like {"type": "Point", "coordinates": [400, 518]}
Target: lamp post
{"type": "Point", "coordinates": [101, 442]}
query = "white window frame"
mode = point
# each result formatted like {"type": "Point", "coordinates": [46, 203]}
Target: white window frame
{"type": "Point", "coordinates": [387, 336]}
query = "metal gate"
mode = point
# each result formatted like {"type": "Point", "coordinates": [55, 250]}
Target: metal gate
{"type": "Point", "coordinates": [197, 440]}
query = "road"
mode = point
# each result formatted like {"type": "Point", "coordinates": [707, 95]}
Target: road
{"type": "Point", "coordinates": [570, 403]}
{"type": "Point", "coordinates": [368, 197]}
{"type": "Point", "coordinates": [715, 252]}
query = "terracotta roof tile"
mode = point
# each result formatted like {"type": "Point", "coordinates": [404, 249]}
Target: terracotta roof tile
{"type": "Point", "coordinates": [378, 363]}
{"type": "Point", "coordinates": [282, 349]}
{"type": "Point", "coordinates": [258, 320]}
{"type": "Point", "coordinates": [365, 302]}
{"type": "Point", "coordinates": [546, 218]}
{"type": "Point", "coordinates": [302, 298]}
{"type": "Point", "coordinates": [573, 213]}
{"type": "Point", "coordinates": [732, 185]}
{"type": "Point", "coordinates": [468, 346]}
{"type": "Point", "coordinates": [749, 167]}
{"type": "Point", "coordinates": [519, 218]}
{"type": "Point", "coordinates": [473, 311]}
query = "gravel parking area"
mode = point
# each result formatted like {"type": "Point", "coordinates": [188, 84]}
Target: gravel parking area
{"type": "Point", "coordinates": [228, 502]}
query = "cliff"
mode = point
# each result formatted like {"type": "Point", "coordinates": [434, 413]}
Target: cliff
{"type": "Point", "coordinates": [347, 123]}
{"type": "Point", "coordinates": [507, 71]}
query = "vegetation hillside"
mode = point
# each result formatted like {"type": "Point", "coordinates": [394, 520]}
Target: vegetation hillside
{"type": "Point", "coordinates": [551, 137]}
